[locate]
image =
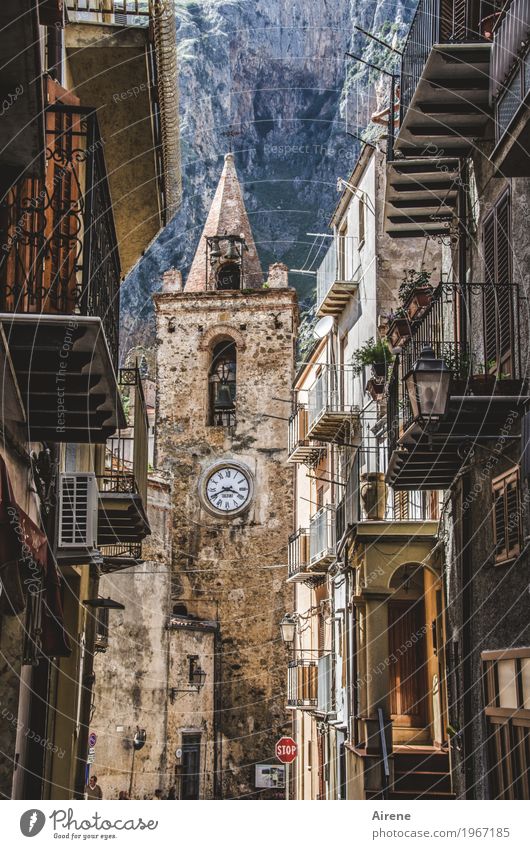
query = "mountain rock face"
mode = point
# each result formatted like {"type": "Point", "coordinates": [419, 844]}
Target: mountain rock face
{"type": "Point", "coordinates": [269, 79]}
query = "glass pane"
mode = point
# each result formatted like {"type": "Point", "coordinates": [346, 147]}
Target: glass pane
{"type": "Point", "coordinates": [507, 684]}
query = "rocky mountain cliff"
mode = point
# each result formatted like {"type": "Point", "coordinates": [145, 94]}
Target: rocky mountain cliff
{"type": "Point", "coordinates": [270, 79]}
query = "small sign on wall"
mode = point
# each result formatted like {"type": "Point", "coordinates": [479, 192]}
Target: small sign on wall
{"type": "Point", "coordinates": [270, 776]}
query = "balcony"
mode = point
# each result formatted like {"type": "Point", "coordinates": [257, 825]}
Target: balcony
{"type": "Point", "coordinates": [299, 566]}
{"type": "Point", "coordinates": [322, 550]}
{"type": "Point", "coordinates": [122, 59]}
{"type": "Point", "coordinates": [330, 404]}
{"type": "Point", "coordinates": [445, 110]}
{"type": "Point", "coordinates": [301, 449]}
{"type": "Point", "coordinates": [348, 509]}
{"type": "Point", "coordinates": [122, 519]}
{"type": "Point", "coordinates": [338, 275]}
{"type": "Point", "coordinates": [302, 684]}
{"type": "Point", "coordinates": [510, 89]}
{"type": "Point", "coordinates": [475, 328]}
{"type": "Point", "coordinates": [59, 287]}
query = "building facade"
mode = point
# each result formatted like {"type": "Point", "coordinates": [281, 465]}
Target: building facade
{"type": "Point", "coordinates": [73, 495]}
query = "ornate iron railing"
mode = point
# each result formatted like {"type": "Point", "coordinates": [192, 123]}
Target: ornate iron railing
{"type": "Point", "coordinates": [475, 329]}
{"type": "Point", "coordinates": [59, 251]}
{"type": "Point", "coordinates": [435, 22]}
{"type": "Point", "coordinates": [302, 683]}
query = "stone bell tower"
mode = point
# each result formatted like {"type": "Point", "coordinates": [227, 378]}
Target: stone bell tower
{"type": "Point", "coordinates": [225, 360]}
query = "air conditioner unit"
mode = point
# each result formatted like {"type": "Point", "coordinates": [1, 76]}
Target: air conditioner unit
{"type": "Point", "coordinates": [78, 511]}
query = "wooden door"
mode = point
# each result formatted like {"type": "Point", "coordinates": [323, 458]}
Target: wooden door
{"type": "Point", "coordinates": [407, 667]}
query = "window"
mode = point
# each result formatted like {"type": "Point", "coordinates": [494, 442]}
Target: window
{"type": "Point", "coordinates": [222, 385]}
{"type": "Point", "coordinates": [498, 300]}
{"type": "Point", "coordinates": [102, 629]}
{"type": "Point", "coordinates": [506, 516]}
{"type": "Point", "coordinates": [506, 677]}
{"type": "Point", "coordinates": [362, 220]}
{"type": "Point", "coordinates": [191, 766]}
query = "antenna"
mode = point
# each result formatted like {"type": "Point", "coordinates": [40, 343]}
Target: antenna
{"type": "Point", "coordinates": [379, 40]}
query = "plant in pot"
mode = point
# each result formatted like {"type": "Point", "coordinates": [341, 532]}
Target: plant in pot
{"type": "Point", "coordinates": [483, 378]}
{"type": "Point", "coordinates": [460, 364]}
{"type": "Point", "coordinates": [398, 328]}
{"type": "Point", "coordinates": [415, 292]}
{"type": "Point", "coordinates": [374, 354]}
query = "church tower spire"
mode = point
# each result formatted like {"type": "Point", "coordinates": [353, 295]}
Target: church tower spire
{"type": "Point", "coordinates": [226, 257]}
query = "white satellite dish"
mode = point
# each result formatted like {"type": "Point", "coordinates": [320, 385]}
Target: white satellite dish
{"type": "Point", "coordinates": [323, 327]}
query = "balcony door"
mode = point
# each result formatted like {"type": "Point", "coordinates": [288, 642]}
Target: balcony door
{"type": "Point", "coordinates": [191, 766]}
{"type": "Point", "coordinates": [407, 668]}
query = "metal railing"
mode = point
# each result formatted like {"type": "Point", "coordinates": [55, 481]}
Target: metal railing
{"type": "Point", "coordinates": [297, 429]}
{"type": "Point", "coordinates": [298, 552]}
{"type": "Point", "coordinates": [340, 264]}
{"type": "Point", "coordinates": [475, 329]}
{"type": "Point", "coordinates": [509, 78]}
{"type": "Point", "coordinates": [302, 683]}
{"type": "Point", "coordinates": [126, 455]}
{"type": "Point", "coordinates": [435, 22]}
{"type": "Point", "coordinates": [322, 534]}
{"type": "Point", "coordinates": [332, 392]}
{"type": "Point", "coordinates": [59, 253]}
{"type": "Point", "coordinates": [115, 12]}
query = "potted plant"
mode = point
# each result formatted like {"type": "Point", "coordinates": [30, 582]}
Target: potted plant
{"type": "Point", "coordinates": [374, 354]}
{"type": "Point", "coordinates": [483, 380]}
{"type": "Point", "coordinates": [415, 292]}
{"type": "Point", "coordinates": [507, 385]}
{"type": "Point", "coordinates": [398, 328]}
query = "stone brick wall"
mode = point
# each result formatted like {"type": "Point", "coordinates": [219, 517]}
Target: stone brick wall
{"type": "Point", "coordinates": [235, 566]}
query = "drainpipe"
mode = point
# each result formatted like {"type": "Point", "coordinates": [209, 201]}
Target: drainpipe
{"type": "Point", "coordinates": [466, 642]}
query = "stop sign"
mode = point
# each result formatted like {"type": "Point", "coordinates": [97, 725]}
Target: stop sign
{"type": "Point", "coordinates": [286, 750]}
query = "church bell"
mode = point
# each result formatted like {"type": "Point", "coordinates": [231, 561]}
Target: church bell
{"type": "Point", "coordinates": [223, 398]}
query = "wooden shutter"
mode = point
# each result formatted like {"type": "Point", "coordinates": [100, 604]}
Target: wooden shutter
{"type": "Point", "coordinates": [498, 300]}
{"type": "Point", "coordinates": [506, 516]}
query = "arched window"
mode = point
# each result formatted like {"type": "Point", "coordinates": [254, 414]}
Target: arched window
{"type": "Point", "coordinates": [222, 384]}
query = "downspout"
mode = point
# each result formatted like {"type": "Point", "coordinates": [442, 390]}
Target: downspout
{"type": "Point", "coordinates": [467, 661]}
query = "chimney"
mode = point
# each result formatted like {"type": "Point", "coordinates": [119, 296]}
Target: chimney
{"type": "Point", "coordinates": [278, 276]}
{"type": "Point", "coordinates": [172, 280]}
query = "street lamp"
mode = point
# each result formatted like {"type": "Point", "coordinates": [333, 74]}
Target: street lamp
{"type": "Point", "coordinates": [427, 384]}
{"type": "Point", "coordinates": [288, 627]}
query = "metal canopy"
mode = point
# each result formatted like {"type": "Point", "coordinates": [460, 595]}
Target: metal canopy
{"type": "Point", "coordinates": [65, 375]}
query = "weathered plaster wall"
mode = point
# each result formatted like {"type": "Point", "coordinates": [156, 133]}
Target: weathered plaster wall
{"type": "Point", "coordinates": [131, 687]}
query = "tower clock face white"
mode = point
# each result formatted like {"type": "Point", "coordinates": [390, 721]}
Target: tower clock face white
{"type": "Point", "coordinates": [227, 489]}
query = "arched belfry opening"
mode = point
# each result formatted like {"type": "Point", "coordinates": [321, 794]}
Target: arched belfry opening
{"type": "Point", "coordinates": [222, 384]}
{"type": "Point", "coordinates": [225, 258]}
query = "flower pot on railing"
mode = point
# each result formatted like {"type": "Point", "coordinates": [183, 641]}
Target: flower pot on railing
{"type": "Point", "coordinates": [418, 302]}
{"type": "Point", "coordinates": [398, 332]}
{"type": "Point", "coordinates": [509, 386]}
{"type": "Point", "coordinates": [482, 384]}
{"type": "Point", "coordinates": [487, 25]}
{"type": "Point", "coordinates": [373, 492]}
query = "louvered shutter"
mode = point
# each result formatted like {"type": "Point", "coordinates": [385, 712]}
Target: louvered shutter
{"type": "Point", "coordinates": [506, 516]}
{"type": "Point", "coordinates": [503, 275]}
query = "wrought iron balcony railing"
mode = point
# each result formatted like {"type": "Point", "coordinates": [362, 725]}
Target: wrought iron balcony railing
{"type": "Point", "coordinates": [331, 402]}
{"type": "Point", "coordinates": [116, 12]}
{"type": "Point", "coordinates": [298, 554]}
{"type": "Point", "coordinates": [338, 275]}
{"type": "Point", "coordinates": [301, 449]}
{"type": "Point", "coordinates": [475, 328]}
{"type": "Point", "coordinates": [322, 538]}
{"type": "Point", "coordinates": [435, 22]}
{"type": "Point", "coordinates": [302, 683]}
{"type": "Point", "coordinates": [59, 252]}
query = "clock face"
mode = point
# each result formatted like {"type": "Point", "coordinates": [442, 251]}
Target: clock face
{"type": "Point", "coordinates": [228, 489]}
